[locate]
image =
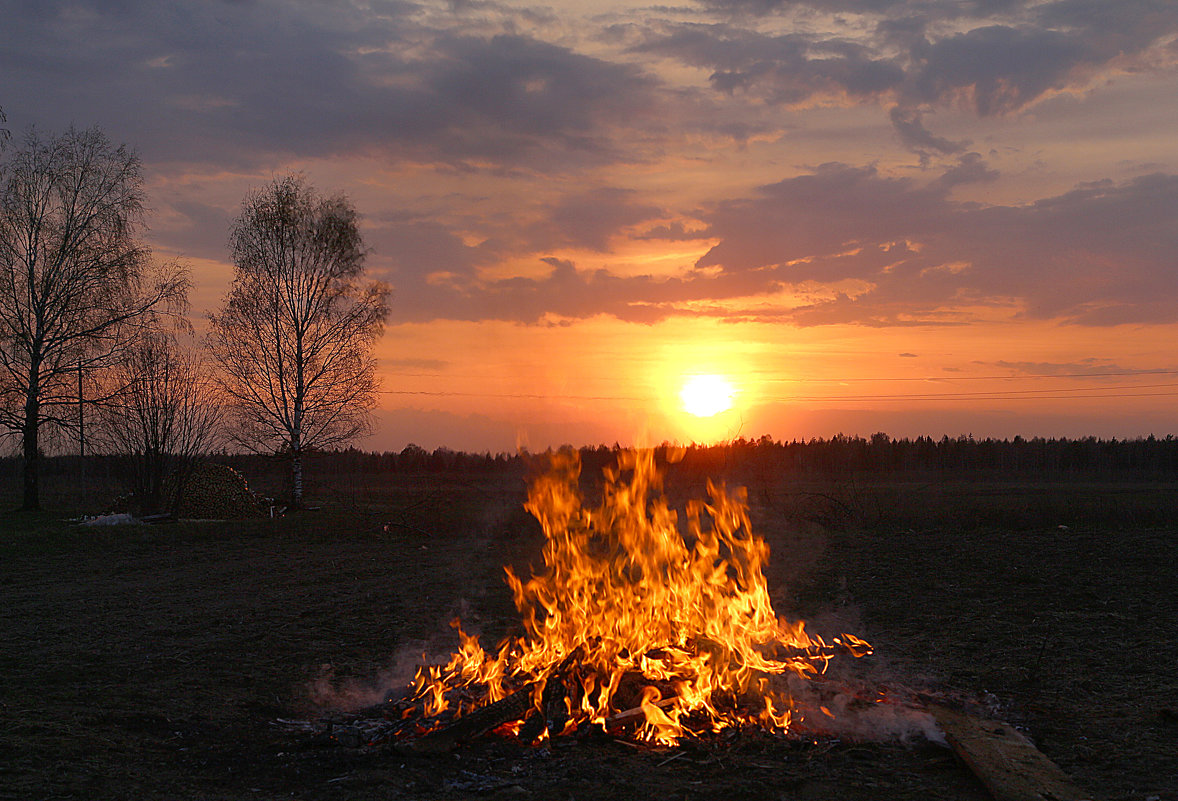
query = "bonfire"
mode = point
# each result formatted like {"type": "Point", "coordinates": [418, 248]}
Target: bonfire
{"type": "Point", "coordinates": [632, 626]}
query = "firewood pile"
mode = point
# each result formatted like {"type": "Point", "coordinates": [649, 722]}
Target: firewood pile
{"type": "Point", "coordinates": [536, 712]}
{"type": "Point", "coordinates": [217, 491]}
{"type": "Point", "coordinates": [632, 628]}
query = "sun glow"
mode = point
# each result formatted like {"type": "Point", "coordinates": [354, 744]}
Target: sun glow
{"type": "Point", "coordinates": [706, 395]}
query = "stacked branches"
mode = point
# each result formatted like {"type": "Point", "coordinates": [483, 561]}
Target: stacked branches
{"type": "Point", "coordinates": [294, 337]}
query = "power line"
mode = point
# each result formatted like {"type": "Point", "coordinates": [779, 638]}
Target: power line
{"type": "Point", "coordinates": [511, 395]}
{"type": "Point", "coordinates": [1077, 393]}
{"type": "Point", "coordinates": [1011, 394]}
{"type": "Point", "coordinates": [802, 380]}
{"type": "Point", "coordinates": [858, 379]}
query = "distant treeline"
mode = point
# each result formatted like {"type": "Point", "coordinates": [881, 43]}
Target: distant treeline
{"type": "Point", "coordinates": [1140, 459]}
{"type": "Point", "coordinates": [1145, 458]}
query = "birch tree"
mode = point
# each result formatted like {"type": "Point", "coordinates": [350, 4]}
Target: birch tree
{"type": "Point", "coordinates": [76, 283]}
{"type": "Point", "coordinates": [294, 337]}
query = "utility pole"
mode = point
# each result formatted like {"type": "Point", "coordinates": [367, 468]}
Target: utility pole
{"type": "Point", "coordinates": [81, 430]}
{"type": "Point", "coordinates": [81, 417]}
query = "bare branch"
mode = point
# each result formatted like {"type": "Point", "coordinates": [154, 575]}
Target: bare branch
{"type": "Point", "coordinates": [76, 284]}
{"type": "Point", "coordinates": [294, 336]}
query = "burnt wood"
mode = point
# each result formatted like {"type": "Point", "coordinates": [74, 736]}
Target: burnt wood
{"type": "Point", "coordinates": [480, 721]}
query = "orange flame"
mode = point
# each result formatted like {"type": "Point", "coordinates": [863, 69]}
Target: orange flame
{"type": "Point", "coordinates": [674, 633]}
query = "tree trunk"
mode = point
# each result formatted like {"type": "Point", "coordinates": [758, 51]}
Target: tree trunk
{"type": "Point", "coordinates": [296, 475]}
{"type": "Point", "coordinates": [296, 471]}
{"type": "Point", "coordinates": [32, 455]}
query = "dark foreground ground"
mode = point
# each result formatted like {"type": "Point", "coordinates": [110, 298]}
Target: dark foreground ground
{"type": "Point", "coordinates": [161, 662]}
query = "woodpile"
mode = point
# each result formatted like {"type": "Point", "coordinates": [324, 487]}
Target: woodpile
{"type": "Point", "coordinates": [217, 491]}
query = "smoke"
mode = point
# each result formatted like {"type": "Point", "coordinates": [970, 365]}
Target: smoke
{"type": "Point", "coordinates": [863, 700]}
{"type": "Point", "coordinates": [327, 693]}
{"type": "Point", "coordinates": [861, 711]}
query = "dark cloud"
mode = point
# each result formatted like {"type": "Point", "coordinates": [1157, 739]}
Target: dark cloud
{"type": "Point", "coordinates": [223, 82]}
{"type": "Point", "coordinates": [1000, 56]}
{"type": "Point", "coordinates": [423, 252]}
{"type": "Point", "coordinates": [788, 68]}
{"type": "Point", "coordinates": [998, 69]}
{"type": "Point", "coordinates": [910, 126]}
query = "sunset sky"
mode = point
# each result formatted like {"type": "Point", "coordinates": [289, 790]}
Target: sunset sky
{"type": "Point", "coordinates": [937, 217]}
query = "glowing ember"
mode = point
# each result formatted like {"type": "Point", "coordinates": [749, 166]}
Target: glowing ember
{"type": "Point", "coordinates": [632, 626]}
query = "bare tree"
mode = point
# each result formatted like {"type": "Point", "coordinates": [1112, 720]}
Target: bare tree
{"type": "Point", "coordinates": [162, 416]}
{"type": "Point", "coordinates": [75, 282]}
{"type": "Point", "coordinates": [295, 335]}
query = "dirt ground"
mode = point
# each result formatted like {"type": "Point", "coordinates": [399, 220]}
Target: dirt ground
{"type": "Point", "coordinates": [168, 662]}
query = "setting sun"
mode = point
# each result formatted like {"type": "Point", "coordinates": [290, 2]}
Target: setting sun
{"type": "Point", "coordinates": [706, 395]}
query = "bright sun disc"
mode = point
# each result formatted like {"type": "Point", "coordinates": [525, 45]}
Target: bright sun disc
{"type": "Point", "coordinates": [706, 395]}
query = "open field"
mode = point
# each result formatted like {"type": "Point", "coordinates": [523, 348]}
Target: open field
{"type": "Point", "coordinates": [156, 662]}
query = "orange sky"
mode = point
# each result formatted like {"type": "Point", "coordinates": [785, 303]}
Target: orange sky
{"type": "Point", "coordinates": [935, 218]}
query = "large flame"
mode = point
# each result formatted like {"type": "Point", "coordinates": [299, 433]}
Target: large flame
{"type": "Point", "coordinates": [638, 625]}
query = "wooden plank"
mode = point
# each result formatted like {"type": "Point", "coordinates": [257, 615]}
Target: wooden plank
{"type": "Point", "coordinates": [1006, 762]}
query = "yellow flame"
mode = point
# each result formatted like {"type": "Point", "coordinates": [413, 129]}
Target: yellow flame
{"type": "Point", "coordinates": [676, 629]}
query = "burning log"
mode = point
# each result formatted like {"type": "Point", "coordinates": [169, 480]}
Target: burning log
{"type": "Point", "coordinates": [550, 716]}
{"type": "Point", "coordinates": [633, 714]}
{"type": "Point", "coordinates": [628, 626]}
{"type": "Point", "coordinates": [476, 723]}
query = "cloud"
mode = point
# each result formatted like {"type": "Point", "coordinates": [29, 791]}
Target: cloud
{"type": "Point", "coordinates": [994, 57]}
{"type": "Point", "coordinates": [1101, 254]}
{"type": "Point", "coordinates": [482, 89]}
{"type": "Point", "coordinates": [998, 69]}
{"type": "Point", "coordinates": [1094, 368]}
{"type": "Point", "coordinates": [226, 82]}
{"type": "Point", "coordinates": [846, 244]}
{"type": "Point", "coordinates": [591, 219]}
{"type": "Point", "coordinates": [791, 68]}
{"type": "Point", "coordinates": [909, 125]}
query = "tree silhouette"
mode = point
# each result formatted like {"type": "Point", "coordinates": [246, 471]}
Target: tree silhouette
{"type": "Point", "coordinates": [161, 417]}
{"type": "Point", "coordinates": [76, 285]}
{"type": "Point", "coordinates": [295, 334]}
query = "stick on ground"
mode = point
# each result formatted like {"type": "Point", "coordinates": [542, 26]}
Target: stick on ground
{"type": "Point", "coordinates": [1006, 762]}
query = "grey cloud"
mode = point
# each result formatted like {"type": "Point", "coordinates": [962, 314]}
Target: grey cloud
{"type": "Point", "coordinates": [910, 126]}
{"type": "Point", "coordinates": [591, 219]}
{"type": "Point", "coordinates": [419, 249]}
{"type": "Point", "coordinates": [787, 68]}
{"type": "Point", "coordinates": [1102, 254]}
{"type": "Point", "coordinates": [970, 168]}
{"type": "Point", "coordinates": [197, 81]}
{"type": "Point", "coordinates": [1001, 68]}
{"type": "Point", "coordinates": [190, 232]}
{"type": "Point", "coordinates": [1002, 55]}
{"type": "Point", "coordinates": [673, 232]}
